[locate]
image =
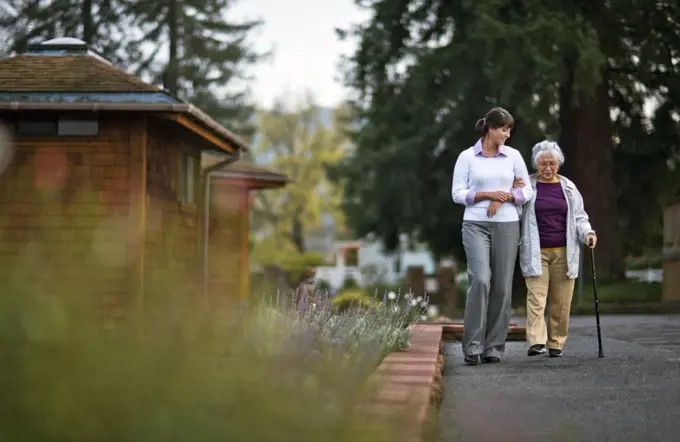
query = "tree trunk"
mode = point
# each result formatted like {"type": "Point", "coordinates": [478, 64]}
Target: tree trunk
{"type": "Point", "coordinates": [171, 73]}
{"type": "Point", "coordinates": [88, 24]}
{"type": "Point", "coordinates": [298, 235]}
{"type": "Point", "coordinates": [448, 291]}
{"type": "Point", "coordinates": [587, 142]}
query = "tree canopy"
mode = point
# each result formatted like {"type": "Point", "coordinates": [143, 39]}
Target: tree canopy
{"type": "Point", "coordinates": [577, 72]}
{"type": "Point", "coordinates": [295, 141]}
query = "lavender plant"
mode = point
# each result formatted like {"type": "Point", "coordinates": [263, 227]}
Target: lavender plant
{"type": "Point", "coordinates": [370, 328]}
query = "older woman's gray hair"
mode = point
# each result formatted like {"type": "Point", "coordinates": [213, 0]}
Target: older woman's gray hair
{"type": "Point", "coordinates": [546, 147]}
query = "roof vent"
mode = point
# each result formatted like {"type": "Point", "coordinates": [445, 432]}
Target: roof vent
{"type": "Point", "coordinates": [64, 41]}
{"type": "Point", "coordinates": [59, 46]}
{"type": "Point", "coordinates": [62, 46]}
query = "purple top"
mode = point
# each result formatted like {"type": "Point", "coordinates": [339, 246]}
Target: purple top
{"type": "Point", "coordinates": [551, 215]}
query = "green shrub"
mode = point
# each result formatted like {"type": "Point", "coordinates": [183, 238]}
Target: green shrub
{"type": "Point", "coordinates": [353, 298]}
{"type": "Point", "coordinates": [323, 286]}
{"type": "Point", "coordinates": [295, 264]}
{"type": "Point", "coordinates": [350, 284]}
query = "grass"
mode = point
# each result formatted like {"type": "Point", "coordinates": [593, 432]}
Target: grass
{"type": "Point", "coordinates": [627, 292]}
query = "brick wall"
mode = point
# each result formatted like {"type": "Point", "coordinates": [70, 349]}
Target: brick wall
{"type": "Point", "coordinates": [64, 221]}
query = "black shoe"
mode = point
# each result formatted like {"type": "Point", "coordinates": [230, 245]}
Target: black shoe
{"type": "Point", "coordinates": [554, 352]}
{"type": "Point", "coordinates": [491, 360]}
{"type": "Point", "coordinates": [471, 359]}
{"type": "Point", "coordinates": [536, 350]}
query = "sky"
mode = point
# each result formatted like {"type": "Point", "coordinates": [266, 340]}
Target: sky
{"type": "Point", "coordinates": [306, 51]}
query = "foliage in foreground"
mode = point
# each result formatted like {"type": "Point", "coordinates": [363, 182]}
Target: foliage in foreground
{"type": "Point", "coordinates": [186, 372]}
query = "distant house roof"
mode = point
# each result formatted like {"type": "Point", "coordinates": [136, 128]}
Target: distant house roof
{"type": "Point", "coordinates": [63, 74]}
{"type": "Point", "coordinates": [255, 177]}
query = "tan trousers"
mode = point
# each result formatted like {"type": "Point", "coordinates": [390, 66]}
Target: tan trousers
{"type": "Point", "coordinates": [557, 289]}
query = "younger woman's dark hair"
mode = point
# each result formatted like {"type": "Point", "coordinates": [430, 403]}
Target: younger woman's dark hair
{"type": "Point", "coordinates": [495, 118]}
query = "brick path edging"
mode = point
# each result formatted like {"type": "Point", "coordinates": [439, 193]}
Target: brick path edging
{"type": "Point", "coordinates": [412, 379]}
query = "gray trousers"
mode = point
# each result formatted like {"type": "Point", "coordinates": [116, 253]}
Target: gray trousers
{"type": "Point", "coordinates": [491, 249]}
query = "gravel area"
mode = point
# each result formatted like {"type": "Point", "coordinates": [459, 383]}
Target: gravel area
{"type": "Point", "coordinates": [633, 394]}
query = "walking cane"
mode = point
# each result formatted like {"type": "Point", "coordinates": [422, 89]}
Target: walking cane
{"type": "Point", "coordinates": [600, 353]}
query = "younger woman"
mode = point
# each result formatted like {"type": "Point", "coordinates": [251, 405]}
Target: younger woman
{"type": "Point", "coordinates": [482, 181]}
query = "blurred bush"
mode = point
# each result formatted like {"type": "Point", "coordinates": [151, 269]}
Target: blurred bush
{"type": "Point", "coordinates": [284, 275]}
{"type": "Point", "coordinates": [295, 265]}
{"type": "Point", "coordinates": [353, 298]}
{"type": "Point", "coordinates": [323, 286]}
{"type": "Point", "coordinates": [182, 370]}
{"type": "Point", "coordinates": [350, 283]}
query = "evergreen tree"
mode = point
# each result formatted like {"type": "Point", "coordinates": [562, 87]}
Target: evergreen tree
{"type": "Point", "coordinates": [424, 71]}
{"type": "Point", "coordinates": [100, 23]}
{"type": "Point", "coordinates": [198, 54]}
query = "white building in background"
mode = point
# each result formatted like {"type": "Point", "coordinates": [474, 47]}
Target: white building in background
{"type": "Point", "coordinates": [366, 263]}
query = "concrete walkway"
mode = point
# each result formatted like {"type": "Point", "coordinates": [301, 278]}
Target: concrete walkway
{"type": "Point", "coordinates": [633, 394]}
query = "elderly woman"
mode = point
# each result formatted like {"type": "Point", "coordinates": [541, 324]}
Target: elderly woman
{"type": "Point", "coordinates": [554, 226]}
{"type": "Point", "coordinates": [483, 178]}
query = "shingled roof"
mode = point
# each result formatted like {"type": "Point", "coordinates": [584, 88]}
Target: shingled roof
{"type": "Point", "coordinates": [241, 168]}
{"type": "Point", "coordinates": [257, 177]}
{"type": "Point", "coordinates": [30, 73]}
{"type": "Point", "coordinates": [64, 74]}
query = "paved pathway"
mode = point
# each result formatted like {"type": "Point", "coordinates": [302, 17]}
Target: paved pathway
{"type": "Point", "coordinates": [633, 394]}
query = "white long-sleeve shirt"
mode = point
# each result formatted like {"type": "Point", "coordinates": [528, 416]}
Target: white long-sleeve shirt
{"type": "Point", "coordinates": [474, 173]}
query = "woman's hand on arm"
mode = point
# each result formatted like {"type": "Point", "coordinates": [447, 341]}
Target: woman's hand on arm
{"type": "Point", "coordinates": [523, 193]}
{"type": "Point", "coordinates": [515, 190]}
{"type": "Point", "coordinates": [493, 208]}
{"type": "Point", "coordinates": [499, 196]}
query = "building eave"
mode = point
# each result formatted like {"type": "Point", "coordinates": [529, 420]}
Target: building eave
{"type": "Point", "coordinates": [188, 110]}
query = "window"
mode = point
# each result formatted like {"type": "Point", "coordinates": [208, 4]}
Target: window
{"type": "Point", "coordinates": [187, 179]}
{"type": "Point", "coordinates": [352, 257]}
{"type": "Point", "coordinates": [77, 128]}
{"type": "Point", "coordinates": [49, 125]}
{"type": "Point", "coordinates": [37, 127]}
